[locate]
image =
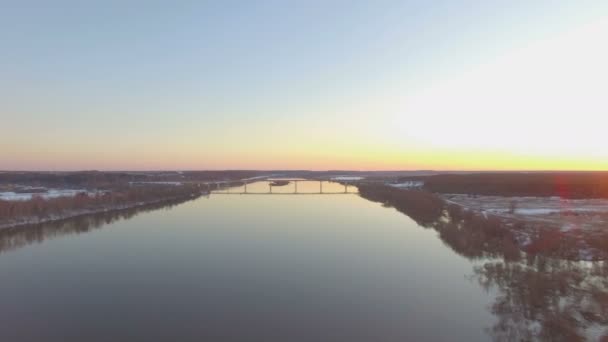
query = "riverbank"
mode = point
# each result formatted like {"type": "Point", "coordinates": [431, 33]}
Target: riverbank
{"type": "Point", "coordinates": [40, 210]}
{"type": "Point", "coordinates": [489, 233]}
{"type": "Point", "coordinates": [13, 238]}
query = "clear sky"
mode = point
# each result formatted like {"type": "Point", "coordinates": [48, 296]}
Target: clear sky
{"type": "Point", "coordinates": [303, 85]}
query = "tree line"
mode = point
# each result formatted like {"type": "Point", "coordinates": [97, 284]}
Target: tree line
{"type": "Point", "coordinates": [18, 237]}
{"type": "Point", "coordinates": [540, 184]}
{"type": "Point", "coordinates": [477, 235]}
{"type": "Point", "coordinates": [39, 208]}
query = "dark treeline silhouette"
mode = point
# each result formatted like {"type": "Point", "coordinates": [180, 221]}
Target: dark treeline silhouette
{"type": "Point", "coordinates": [467, 233]}
{"type": "Point", "coordinates": [563, 184]}
{"type": "Point", "coordinates": [220, 175]}
{"type": "Point", "coordinates": [38, 208]}
{"type": "Point", "coordinates": [17, 237]}
{"type": "Point", "coordinates": [83, 179]}
{"type": "Point", "coordinates": [476, 236]}
{"type": "Point", "coordinates": [423, 207]}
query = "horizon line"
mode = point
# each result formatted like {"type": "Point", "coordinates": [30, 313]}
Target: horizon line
{"type": "Point", "coordinates": [307, 170]}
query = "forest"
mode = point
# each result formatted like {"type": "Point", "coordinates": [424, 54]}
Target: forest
{"type": "Point", "coordinates": [573, 185]}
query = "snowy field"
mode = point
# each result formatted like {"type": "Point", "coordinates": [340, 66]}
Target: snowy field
{"type": "Point", "coordinates": [51, 193]}
{"type": "Point", "coordinates": [408, 185]}
{"type": "Point", "coordinates": [566, 214]}
{"type": "Point", "coordinates": [345, 178]}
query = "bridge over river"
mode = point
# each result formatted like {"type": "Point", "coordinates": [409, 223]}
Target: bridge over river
{"type": "Point", "coordinates": [292, 186]}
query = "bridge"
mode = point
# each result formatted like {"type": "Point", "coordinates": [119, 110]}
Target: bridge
{"type": "Point", "coordinates": [227, 185]}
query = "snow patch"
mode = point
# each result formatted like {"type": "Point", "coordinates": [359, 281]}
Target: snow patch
{"type": "Point", "coordinates": [346, 178]}
{"type": "Point", "coordinates": [51, 193]}
{"type": "Point", "coordinates": [407, 185]}
{"type": "Point", "coordinates": [159, 183]}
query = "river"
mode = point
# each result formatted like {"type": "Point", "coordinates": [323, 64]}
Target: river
{"type": "Point", "coordinates": [257, 268]}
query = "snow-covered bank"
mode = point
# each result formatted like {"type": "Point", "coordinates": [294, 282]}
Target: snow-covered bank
{"type": "Point", "coordinates": [50, 193]}
{"type": "Point", "coordinates": [476, 231]}
{"type": "Point", "coordinates": [346, 178]}
{"type": "Point", "coordinates": [573, 229]}
{"type": "Point", "coordinates": [565, 214]}
{"type": "Point", "coordinates": [30, 220]}
{"type": "Point", "coordinates": [408, 185]}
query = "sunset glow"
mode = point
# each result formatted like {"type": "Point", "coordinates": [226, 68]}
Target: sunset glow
{"type": "Point", "coordinates": [366, 87]}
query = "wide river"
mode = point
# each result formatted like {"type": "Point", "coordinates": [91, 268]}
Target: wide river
{"type": "Point", "coordinates": [244, 268]}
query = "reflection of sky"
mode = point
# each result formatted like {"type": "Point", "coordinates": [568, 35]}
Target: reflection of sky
{"type": "Point", "coordinates": [269, 85]}
{"type": "Point", "coordinates": [340, 267]}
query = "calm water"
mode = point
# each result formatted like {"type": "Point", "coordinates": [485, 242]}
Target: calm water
{"type": "Point", "coordinates": [242, 268]}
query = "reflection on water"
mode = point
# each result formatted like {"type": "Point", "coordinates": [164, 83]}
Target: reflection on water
{"type": "Point", "coordinates": [17, 237]}
{"type": "Point", "coordinates": [297, 268]}
{"type": "Point", "coordinates": [548, 300]}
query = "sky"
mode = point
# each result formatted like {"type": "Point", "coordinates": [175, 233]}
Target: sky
{"type": "Point", "coordinates": [361, 85]}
